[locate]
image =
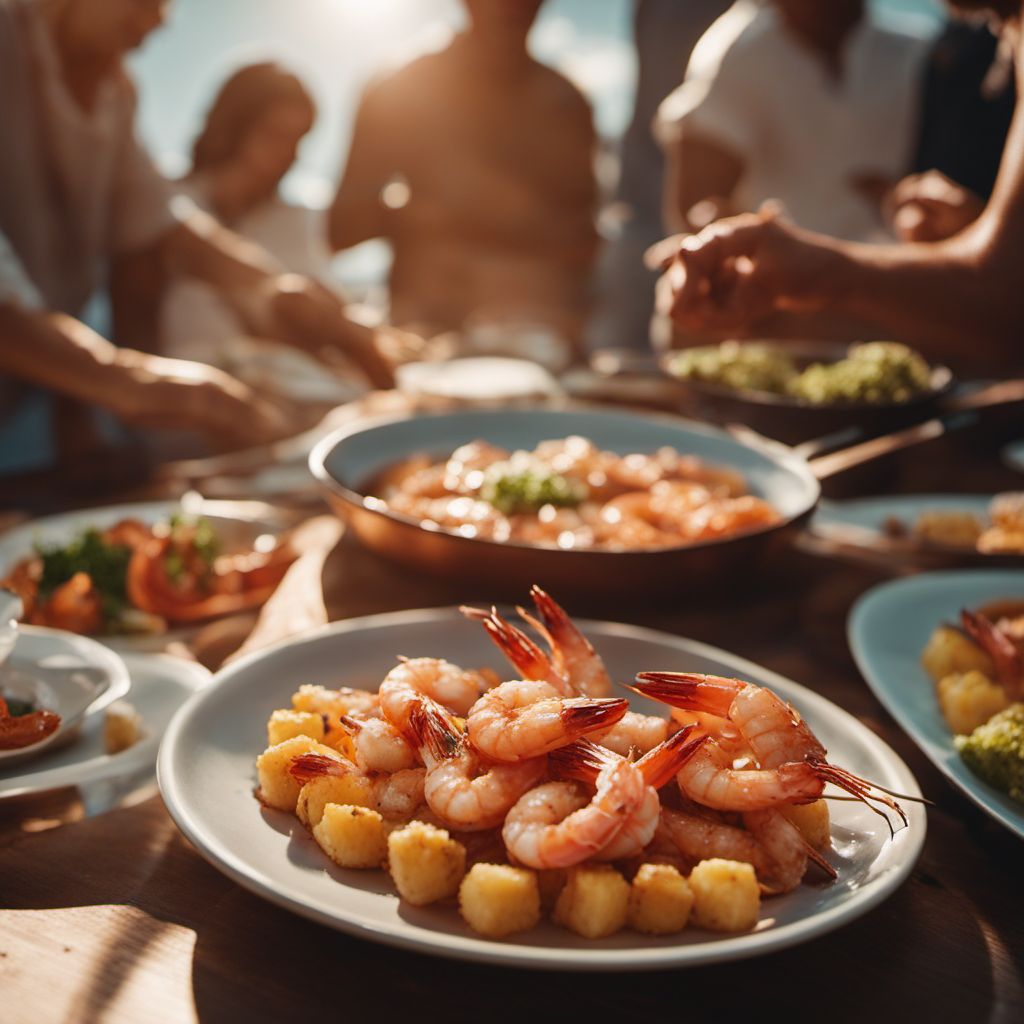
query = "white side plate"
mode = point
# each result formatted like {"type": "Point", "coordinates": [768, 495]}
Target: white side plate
{"type": "Point", "coordinates": [207, 776]}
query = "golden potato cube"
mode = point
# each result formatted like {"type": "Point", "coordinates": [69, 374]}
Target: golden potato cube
{"type": "Point", "coordinates": [594, 902]}
{"type": "Point", "coordinates": [351, 788]}
{"type": "Point", "coordinates": [353, 837]}
{"type": "Point", "coordinates": [813, 822]}
{"type": "Point", "coordinates": [949, 651]}
{"type": "Point", "coordinates": [122, 727]}
{"type": "Point", "coordinates": [284, 724]}
{"type": "Point", "coordinates": [660, 900]}
{"type": "Point", "coordinates": [322, 701]}
{"type": "Point", "coordinates": [277, 787]}
{"type": "Point", "coordinates": [969, 700]}
{"type": "Point", "coordinates": [726, 896]}
{"type": "Point", "coordinates": [425, 862]}
{"type": "Point", "coordinates": [498, 899]}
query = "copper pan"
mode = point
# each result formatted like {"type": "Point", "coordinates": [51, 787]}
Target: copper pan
{"type": "Point", "coordinates": [345, 460]}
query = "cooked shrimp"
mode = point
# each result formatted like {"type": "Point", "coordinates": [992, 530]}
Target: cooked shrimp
{"type": "Point", "coordinates": [414, 679]}
{"type": "Point", "coordinates": [773, 730]}
{"type": "Point", "coordinates": [378, 745]}
{"type": "Point", "coordinates": [1000, 647]}
{"type": "Point", "coordinates": [635, 731]}
{"type": "Point", "coordinates": [708, 779]}
{"type": "Point", "coordinates": [393, 796]}
{"type": "Point", "coordinates": [555, 826]}
{"type": "Point", "coordinates": [464, 471]}
{"type": "Point", "coordinates": [521, 719]}
{"type": "Point", "coordinates": [463, 792]}
{"type": "Point", "coordinates": [527, 658]}
{"type": "Point", "coordinates": [17, 731]}
{"type": "Point", "coordinates": [585, 760]}
{"type": "Point", "coordinates": [572, 654]}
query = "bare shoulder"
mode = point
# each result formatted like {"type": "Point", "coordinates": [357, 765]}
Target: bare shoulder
{"type": "Point", "coordinates": [397, 83]}
{"type": "Point", "coordinates": [559, 94]}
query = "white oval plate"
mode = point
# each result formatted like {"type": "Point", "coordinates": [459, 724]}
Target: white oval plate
{"type": "Point", "coordinates": [889, 627]}
{"type": "Point", "coordinates": [159, 686]}
{"type": "Point", "coordinates": [234, 529]}
{"type": "Point", "coordinates": [207, 776]}
{"type": "Point", "coordinates": [72, 675]}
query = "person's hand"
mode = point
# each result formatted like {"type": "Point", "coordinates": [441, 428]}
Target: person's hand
{"type": "Point", "coordinates": [735, 272]}
{"type": "Point", "coordinates": [304, 313]}
{"type": "Point", "coordinates": [179, 394]}
{"type": "Point", "coordinates": [930, 207]}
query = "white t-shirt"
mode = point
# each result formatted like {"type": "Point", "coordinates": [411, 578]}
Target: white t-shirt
{"type": "Point", "coordinates": [803, 134]}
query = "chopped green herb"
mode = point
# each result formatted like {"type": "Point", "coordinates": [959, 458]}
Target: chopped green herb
{"type": "Point", "coordinates": [995, 751]}
{"type": "Point", "coordinates": [106, 564]}
{"type": "Point", "coordinates": [17, 708]}
{"type": "Point", "coordinates": [522, 485]}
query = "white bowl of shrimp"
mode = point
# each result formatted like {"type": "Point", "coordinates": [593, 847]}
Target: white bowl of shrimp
{"type": "Point", "coordinates": [560, 777]}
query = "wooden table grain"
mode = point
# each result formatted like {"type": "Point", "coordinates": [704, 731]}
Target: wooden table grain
{"type": "Point", "coordinates": [117, 918]}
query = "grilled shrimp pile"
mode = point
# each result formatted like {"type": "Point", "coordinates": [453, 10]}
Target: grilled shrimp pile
{"type": "Point", "coordinates": [549, 771]}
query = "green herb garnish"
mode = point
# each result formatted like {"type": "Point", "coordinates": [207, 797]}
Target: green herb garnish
{"type": "Point", "coordinates": [523, 485]}
{"type": "Point", "coordinates": [106, 565]}
{"type": "Point", "coordinates": [995, 751]}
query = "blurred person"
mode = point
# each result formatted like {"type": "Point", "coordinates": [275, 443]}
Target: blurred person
{"type": "Point", "coordinates": [249, 142]}
{"type": "Point", "coordinates": [664, 34]}
{"type": "Point", "coordinates": [811, 104]}
{"type": "Point", "coordinates": [476, 164]}
{"type": "Point", "coordinates": [968, 103]}
{"type": "Point", "coordinates": [958, 299]}
{"type": "Point", "coordinates": [79, 187]}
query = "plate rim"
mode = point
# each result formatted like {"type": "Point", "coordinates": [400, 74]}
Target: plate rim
{"type": "Point", "coordinates": [488, 951]}
{"type": "Point", "coordinates": [974, 788]}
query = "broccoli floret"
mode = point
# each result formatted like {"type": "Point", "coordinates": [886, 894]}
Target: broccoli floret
{"type": "Point", "coordinates": [995, 751]}
{"type": "Point", "coordinates": [106, 565]}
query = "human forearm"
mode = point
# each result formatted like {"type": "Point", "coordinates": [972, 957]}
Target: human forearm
{"type": "Point", "coordinates": [201, 247]}
{"type": "Point", "coordinates": [60, 353]}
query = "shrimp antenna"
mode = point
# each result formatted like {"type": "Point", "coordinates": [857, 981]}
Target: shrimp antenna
{"type": "Point", "coordinates": [861, 789]}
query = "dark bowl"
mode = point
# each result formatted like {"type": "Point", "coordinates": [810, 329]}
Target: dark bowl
{"type": "Point", "coordinates": [345, 461]}
{"type": "Point", "coordinates": [795, 421]}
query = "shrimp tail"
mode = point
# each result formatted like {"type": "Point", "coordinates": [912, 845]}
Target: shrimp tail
{"type": "Point", "coordinates": [434, 731]}
{"type": "Point", "coordinates": [349, 725]}
{"type": "Point", "coordinates": [557, 624]}
{"type": "Point", "coordinates": [307, 767]}
{"type": "Point", "coordinates": [581, 715]}
{"type": "Point", "coordinates": [690, 691]}
{"type": "Point", "coordinates": [660, 765]}
{"type": "Point", "coordinates": [582, 760]}
{"type": "Point", "coordinates": [516, 646]}
{"type": "Point", "coordinates": [1000, 648]}
{"type": "Point", "coordinates": [866, 792]}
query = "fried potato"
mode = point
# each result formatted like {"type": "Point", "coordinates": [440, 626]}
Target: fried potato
{"type": "Point", "coordinates": [277, 787]}
{"type": "Point", "coordinates": [726, 896]}
{"type": "Point", "coordinates": [594, 902]}
{"type": "Point", "coordinates": [498, 899]}
{"type": "Point", "coordinates": [813, 822]}
{"type": "Point", "coordinates": [948, 651]}
{"type": "Point", "coordinates": [660, 900]}
{"type": "Point", "coordinates": [425, 862]}
{"type": "Point", "coordinates": [352, 788]}
{"type": "Point", "coordinates": [283, 724]}
{"type": "Point", "coordinates": [969, 700]}
{"type": "Point", "coordinates": [353, 837]}
{"type": "Point", "coordinates": [122, 727]}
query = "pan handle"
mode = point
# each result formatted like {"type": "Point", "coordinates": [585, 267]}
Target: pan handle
{"type": "Point", "coordinates": [963, 411]}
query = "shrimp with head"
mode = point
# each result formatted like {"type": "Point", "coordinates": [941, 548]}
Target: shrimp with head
{"type": "Point", "coordinates": [791, 766]}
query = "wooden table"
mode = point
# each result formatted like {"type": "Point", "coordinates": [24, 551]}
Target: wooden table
{"type": "Point", "coordinates": [117, 918]}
